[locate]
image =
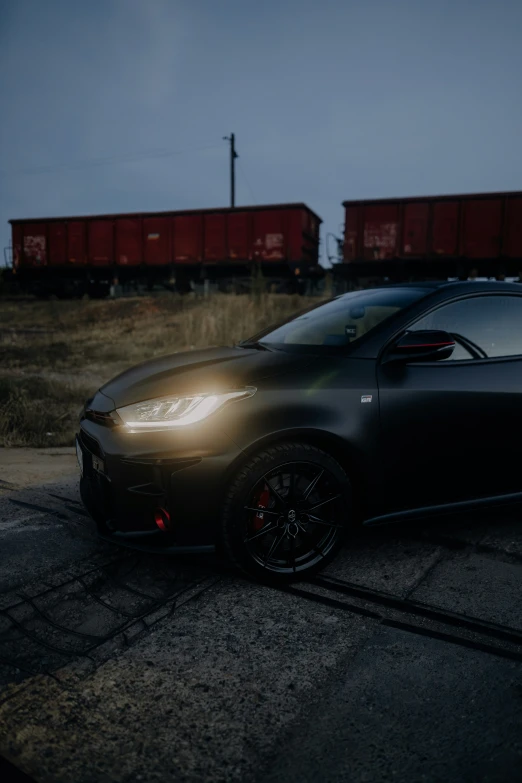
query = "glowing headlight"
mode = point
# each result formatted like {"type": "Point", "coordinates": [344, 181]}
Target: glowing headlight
{"type": "Point", "coordinates": [168, 412]}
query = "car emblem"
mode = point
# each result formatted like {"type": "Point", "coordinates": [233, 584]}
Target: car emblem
{"type": "Point", "coordinates": [366, 398]}
{"type": "Point", "coordinates": [291, 516]}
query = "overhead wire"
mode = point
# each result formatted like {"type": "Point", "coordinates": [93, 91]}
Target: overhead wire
{"type": "Point", "coordinates": [108, 161]}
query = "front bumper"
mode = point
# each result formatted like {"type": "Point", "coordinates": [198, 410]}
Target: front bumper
{"type": "Point", "coordinates": [128, 477]}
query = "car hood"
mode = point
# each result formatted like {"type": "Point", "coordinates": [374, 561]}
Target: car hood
{"type": "Point", "coordinates": [209, 370]}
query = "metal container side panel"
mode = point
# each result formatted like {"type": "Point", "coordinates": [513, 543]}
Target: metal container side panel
{"type": "Point", "coordinates": [215, 237]}
{"type": "Point", "coordinates": [381, 231]}
{"type": "Point", "coordinates": [239, 229]}
{"type": "Point", "coordinates": [482, 227]}
{"type": "Point", "coordinates": [445, 228]}
{"type": "Point", "coordinates": [35, 244]}
{"type": "Point", "coordinates": [76, 242]}
{"type": "Point", "coordinates": [309, 251]}
{"type": "Point", "coordinates": [187, 238]}
{"type": "Point", "coordinates": [57, 244]}
{"type": "Point", "coordinates": [351, 233]}
{"type": "Point", "coordinates": [310, 223]}
{"type": "Point", "coordinates": [128, 242]}
{"type": "Point", "coordinates": [17, 242]}
{"type": "Point", "coordinates": [101, 242]}
{"type": "Point", "coordinates": [306, 246]}
{"type": "Point", "coordinates": [316, 225]}
{"type": "Point", "coordinates": [156, 239]}
{"type": "Point", "coordinates": [269, 235]}
{"type": "Point", "coordinates": [298, 241]}
{"type": "Point", "coordinates": [513, 228]}
{"type": "Point", "coordinates": [415, 229]}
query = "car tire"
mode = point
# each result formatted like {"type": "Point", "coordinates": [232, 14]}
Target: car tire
{"type": "Point", "coordinates": [264, 535]}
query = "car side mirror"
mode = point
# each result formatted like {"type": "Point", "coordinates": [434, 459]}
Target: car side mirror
{"type": "Point", "coordinates": [426, 345]}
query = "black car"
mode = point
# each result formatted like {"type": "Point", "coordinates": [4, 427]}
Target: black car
{"type": "Point", "coordinates": [393, 402]}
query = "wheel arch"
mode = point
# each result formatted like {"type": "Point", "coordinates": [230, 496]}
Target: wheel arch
{"type": "Point", "coordinates": [344, 452]}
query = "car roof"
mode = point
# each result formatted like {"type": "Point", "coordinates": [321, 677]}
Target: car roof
{"type": "Point", "coordinates": [457, 285]}
{"type": "Point", "coordinates": [419, 284]}
{"type": "Point", "coordinates": [442, 289]}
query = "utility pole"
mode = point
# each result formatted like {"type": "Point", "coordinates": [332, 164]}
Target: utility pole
{"type": "Point", "coordinates": [233, 156]}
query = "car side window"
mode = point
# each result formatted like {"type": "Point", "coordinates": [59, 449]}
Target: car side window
{"type": "Point", "coordinates": [489, 326]}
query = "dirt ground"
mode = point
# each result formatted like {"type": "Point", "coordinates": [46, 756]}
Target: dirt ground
{"type": "Point", "coordinates": [25, 467]}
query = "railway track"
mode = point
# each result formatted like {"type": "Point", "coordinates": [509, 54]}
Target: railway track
{"type": "Point", "coordinates": [413, 616]}
{"type": "Point", "coordinates": [76, 623]}
{"type": "Point", "coordinates": [72, 620]}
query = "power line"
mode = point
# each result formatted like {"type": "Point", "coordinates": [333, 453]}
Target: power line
{"type": "Point", "coordinates": [130, 158]}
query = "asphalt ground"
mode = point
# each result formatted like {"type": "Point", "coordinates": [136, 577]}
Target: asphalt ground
{"type": "Point", "coordinates": [402, 661]}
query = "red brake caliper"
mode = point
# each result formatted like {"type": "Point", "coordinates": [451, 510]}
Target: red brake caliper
{"type": "Point", "coordinates": [262, 502]}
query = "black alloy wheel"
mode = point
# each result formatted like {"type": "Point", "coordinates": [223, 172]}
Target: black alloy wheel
{"type": "Point", "coordinates": [285, 514]}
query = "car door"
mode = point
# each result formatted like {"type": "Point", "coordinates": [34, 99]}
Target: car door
{"type": "Point", "coordinates": [451, 430]}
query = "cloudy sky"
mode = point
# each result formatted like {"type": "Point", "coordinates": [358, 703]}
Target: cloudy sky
{"type": "Point", "coordinates": [121, 105]}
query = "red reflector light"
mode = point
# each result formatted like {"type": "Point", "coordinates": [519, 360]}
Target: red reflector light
{"type": "Point", "coordinates": [162, 519]}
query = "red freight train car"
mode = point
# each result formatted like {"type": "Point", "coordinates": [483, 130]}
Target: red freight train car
{"type": "Point", "coordinates": [433, 237]}
{"type": "Point", "coordinates": [79, 254]}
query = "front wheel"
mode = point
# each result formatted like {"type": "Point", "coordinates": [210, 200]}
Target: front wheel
{"type": "Point", "coordinates": [285, 514]}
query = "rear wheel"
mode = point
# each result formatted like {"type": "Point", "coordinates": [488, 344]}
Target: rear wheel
{"type": "Point", "coordinates": [286, 512]}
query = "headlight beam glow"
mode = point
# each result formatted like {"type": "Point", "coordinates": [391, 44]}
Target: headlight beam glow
{"type": "Point", "coordinates": [169, 412]}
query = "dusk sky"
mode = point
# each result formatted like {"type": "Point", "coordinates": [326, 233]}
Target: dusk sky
{"type": "Point", "coordinates": [121, 105]}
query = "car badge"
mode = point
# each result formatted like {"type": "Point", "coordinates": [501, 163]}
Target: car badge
{"type": "Point", "coordinates": [366, 398]}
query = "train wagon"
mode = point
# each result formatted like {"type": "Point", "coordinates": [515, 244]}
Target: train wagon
{"type": "Point", "coordinates": [432, 237]}
{"type": "Point", "coordinates": [88, 254]}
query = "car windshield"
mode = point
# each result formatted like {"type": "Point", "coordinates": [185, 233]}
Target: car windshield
{"type": "Point", "coordinates": [341, 321]}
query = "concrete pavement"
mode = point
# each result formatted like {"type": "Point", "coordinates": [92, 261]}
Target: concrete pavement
{"type": "Point", "coordinates": [124, 667]}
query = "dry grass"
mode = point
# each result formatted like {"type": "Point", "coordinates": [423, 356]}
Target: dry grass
{"type": "Point", "coordinates": [37, 412]}
{"type": "Point", "coordinates": [54, 354]}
